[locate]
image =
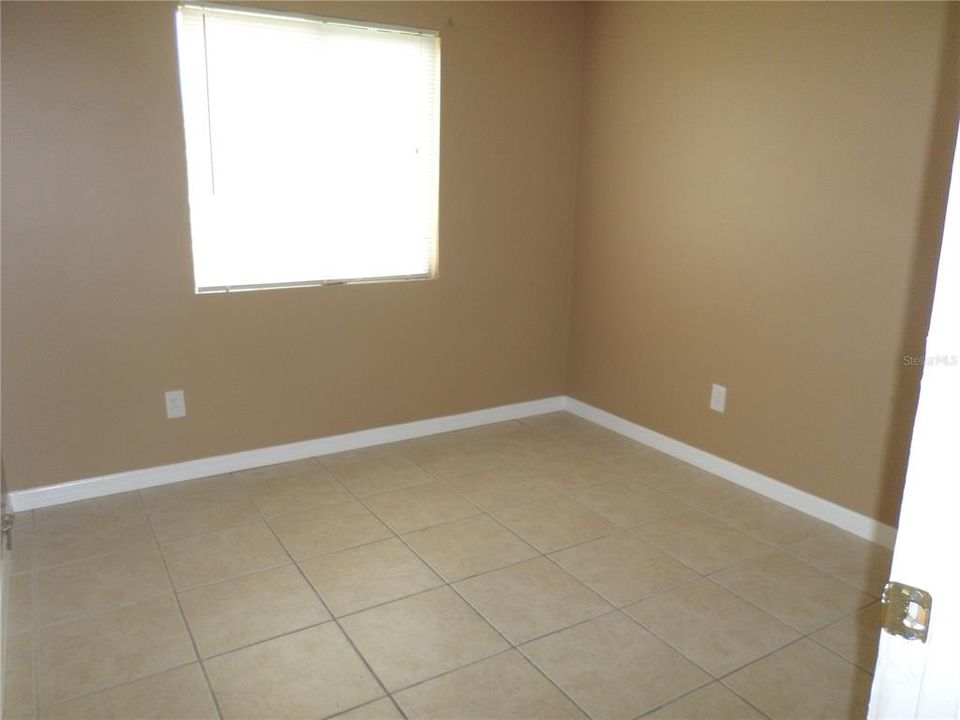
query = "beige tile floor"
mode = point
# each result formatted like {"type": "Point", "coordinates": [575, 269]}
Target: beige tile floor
{"type": "Point", "coordinates": [544, 568]}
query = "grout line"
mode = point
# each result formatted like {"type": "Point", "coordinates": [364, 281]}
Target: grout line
{"type": "Point", "coordinates": [323, 603]}
{"type": "Point", "coordinates": [239, 576]}
{"type": "Point", "coordinates": [34, 630]}
{"type": "Point", "coordinates": [98, 556]}
{"type": "Point", "coordinates": [838, 655]}
{"type": "Point", "coordinates": [510, 644]}
{"type": "Point", "coordinates": [386, 602]}
{"type": "Point", "coordinates": [672, 646]}
{"type": "Point", "coordinates": [450, 584]}
{"type": "Point", "coordinates": [782, 546]}
{"type": "Point", "coordinates": [106, 688]}
{"type": "Point", "coordinates": [397, 706]}
{"type": "Point", "coordinates": [724, 676]}
{"type": "Point", "coordinates": [722, 679]}
{"type": "Point", "coordinates": [34, 639]}
{"type": "Point", "coordinates": [451, 671]}
{"type": "Point", "coordinates": [538, 669]}
{"type": "Point", "coordinates": [781, 620]}
{"type": "Point", "coordinates": [754, 605]}
{"type": "Point", "coordinates": [870, 592]}
{"type": "Point", "coordinates": [736, 693]}
{"type": "Point", "coordinates": [171, 589]}
{"type": "Point", "coordinates": [104, 610]}
{"type": "Point", "coordinates": [186, 624]}
{"type": "Point", "coordinates": [193, 536]}
{"type": "Point", "coordinates": [811, 636]}
{"type": "Point", "coordinates": [703, 576]}
{"type": "Point", "coordinates": [255, 643]}
{"type": "Point", "coordinates": [691, 691]}
{"type": "Point", "coordinates": [342, 713]}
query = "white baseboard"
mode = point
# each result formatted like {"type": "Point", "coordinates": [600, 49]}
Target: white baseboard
{"type": "Point", "coordinates": [825, 510]}
{"type": "Point", "coordinates": [844, 518]}
{"type": "Point", "coordinates": [60, 493]}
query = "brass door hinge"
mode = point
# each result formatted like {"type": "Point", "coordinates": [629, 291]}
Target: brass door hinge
{"type": "Point", "coordinates": [906, 611]}
{"type": "Point", "coordinates": [6, 529]}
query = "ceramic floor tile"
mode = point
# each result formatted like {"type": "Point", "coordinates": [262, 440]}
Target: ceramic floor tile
{"type": "Point", "coordinates": [197, 506]}
{"type": "Point", "coordinates": [555, 523]}
{"type": "Point", "coordinates": [494, 432]}
{"type": "Point", "coordinates": [201, 491]}
{"type": "Point", "coordinates": [638, 463]}
{"type": "Point", "coordinates": [269, 472]}
{"type": "Point", "coordinates": [328, 529]}
{"type": "Point", "coordinates": [420, 506]}
{"type": "Point", "coordinates": [24, 544]}
{"type": "Point", "coordinates": [530, 599]}
{"type": "Point", "coordinates": [575, 430]}
{"type": "Point", "coordinates": [629, 505]}
{"type": "Point", "coordinates": [100, 583]}
{"type": "Point", "coordinates": [622, 568]}
{"type": "Point", "coordinates": [854, 560]}
{"type": "Point", "coordinates": [19, 697]}
{"type": "Point", "coordinates": [600, 443]}
{"type": "Point", "coordinates": [96, 652]}
{"type": "Point", "coordinates": [613, 668]}
{"type": "Point", "coordinates": [669, 472]}
{"type": "Point", "coordinates": [716, 629]}
{"type": "Point", "coordinates": [667, 465]}
{"type": "Point", "coordinates": [313, 673]}
{"type": "Point", "coordinates": [20, 611]}
{"type": "Point", "coordinates": [81, 530]}
{"type": "Point", "coordinates": [470, 546]}
{"type": "Point", "coordinates": [505, 687]}
{"type": "Point", "coordinates": [703, 542]}
{"type": "Point", "coordinates": [714, 702]}
{"type": "Point", "coordinates": [172, 695]}
{"type": "Point", "coordinates": [378, 474]}
{"type": "Point", "coordinates": [112, 643]}
{"type": "Point", "coordinates": [570, 471]}
{"type": "Point", "coordinates": [97, 511]}
{"type": "Point", "coordinates": [527, 445]}
{"type": "Point", "coordinates": [351, 457]}
{"type": "Point", "coordinates": [382, 709]}
{"type": "Point", "coordinates": [559, 423]}
{"type": "Point", "coordinates": [804, 682]}
{"type": "Point", "coordinates": [770, 521]}
{"type": "Point", "coordinates": [449, 458]}
{"type": "Point", "coordinates": [248, 609]}
{"type": "Point", "coordinates": [368, 575]}
{"type": "Point", "coordinates": [422, 636]}
{"type": "Point", "coordinates": [291, 493]}
{"type": "Point", "coordinates": [690, 484]}
{"type": "Point", "coordinates": [791, 590]}
{"type": "Point", "coordinates": [500, 487]}
{"type": "Point", "coordinates": [216, 556]}
{"type": "Point", "coordinates": [855, 637]}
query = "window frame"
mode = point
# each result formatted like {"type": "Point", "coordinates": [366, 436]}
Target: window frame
{"type": "Point", "coordinates": [255, 11]}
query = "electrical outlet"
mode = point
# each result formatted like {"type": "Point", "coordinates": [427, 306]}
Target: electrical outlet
{"type": "Point", "coordinates": [718, 398]}
{"type": "Point", "coordinates": [176, 404]}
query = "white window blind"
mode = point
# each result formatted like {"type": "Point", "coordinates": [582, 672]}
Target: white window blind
{"type": "Point", "coordinates": [312, 148]}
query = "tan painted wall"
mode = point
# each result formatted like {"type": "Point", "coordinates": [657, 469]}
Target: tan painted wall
{"type": "Point", "coordinates": [100, 317]}
{"type": "Point", "coordinates": [759, 195]}
{"type": "Point", "coordinates": [760, 192]}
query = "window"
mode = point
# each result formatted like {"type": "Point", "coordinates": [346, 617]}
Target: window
{"type": "Point", "coordinates": [312, 148]}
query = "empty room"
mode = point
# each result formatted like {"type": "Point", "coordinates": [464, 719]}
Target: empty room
{"type": "Point", "coordinates": [480, 360]}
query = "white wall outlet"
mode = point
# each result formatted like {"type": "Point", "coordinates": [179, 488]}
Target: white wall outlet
{"type": "Point", "coordinates": [718, 398]}
{"type": "Point", "coordinates": [176, 405]}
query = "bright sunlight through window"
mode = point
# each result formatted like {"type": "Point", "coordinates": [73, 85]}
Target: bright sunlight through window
{"type": "Point", "coordinates": [312, 148]}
